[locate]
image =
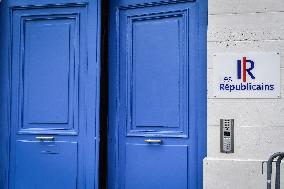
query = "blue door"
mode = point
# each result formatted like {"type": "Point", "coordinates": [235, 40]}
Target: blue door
{"type": "Point", "coordinates": [53, 73]}
{"type": "Point", "coordinates": [157, 109]}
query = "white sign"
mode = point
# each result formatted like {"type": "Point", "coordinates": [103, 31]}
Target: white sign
{"type": "Point", "coordinates": [246, 75]}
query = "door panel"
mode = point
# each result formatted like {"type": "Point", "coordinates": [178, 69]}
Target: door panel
{"type": "Point", "coordinates": [32, 160]}
{"type": "Point", "coordinates": [47, 99]}
{"type": "Point", "coordinates": [157, 97]}
{"type": "Point", "coordinates": [156, 66]}
{"type": "Point", "coordinates": [156, 166]}
{"type": "Point", "coordinates": [46, 70]}
{"type": "Point", "coordinates": [48, 78]}
{"type": "Point", "coordinates": [55, 95]}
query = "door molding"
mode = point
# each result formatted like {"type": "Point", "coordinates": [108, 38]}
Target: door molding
{"type": "Point", "coordinates": [125, 4]}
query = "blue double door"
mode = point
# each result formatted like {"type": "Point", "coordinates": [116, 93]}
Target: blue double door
{"type": "Point", "coordinates": [156, 100]}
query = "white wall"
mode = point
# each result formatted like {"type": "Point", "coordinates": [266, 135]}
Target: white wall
{"type": "Point", "coordinates": [240, 26]}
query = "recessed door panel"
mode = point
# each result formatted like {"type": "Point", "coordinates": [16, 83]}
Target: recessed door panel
{"type": "Point", "coordinates": [158, 166]}
{"type": "Point", "coordinates": [47, 76]}
{"type": "Point", "coordinates": [156, 72]}
{"type": "Point", "coordinates": [157, 69]}
{"type": "Point", "coordinates": [46, 165]}
{"type": "Point", "coordinates": [46, 96]}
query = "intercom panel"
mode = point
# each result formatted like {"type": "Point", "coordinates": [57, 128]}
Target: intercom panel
{"type": "Point", "coordinates": [227, 135]}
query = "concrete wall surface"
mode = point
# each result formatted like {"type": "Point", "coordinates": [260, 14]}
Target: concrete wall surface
{"type": "Point", "coordinates": [243, 26]}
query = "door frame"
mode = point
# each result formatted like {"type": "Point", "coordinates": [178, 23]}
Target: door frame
{"type": "Point", "coordinates": [4, 94]}
{"type": "Point", "coordinates": [113, 84]}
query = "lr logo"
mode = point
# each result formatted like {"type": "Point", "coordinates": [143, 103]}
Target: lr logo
{"type": "Point", "coordinates": [244, 69]}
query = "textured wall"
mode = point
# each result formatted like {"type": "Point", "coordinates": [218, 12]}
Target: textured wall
{"type": "Point", "coordinates": [240, 26]}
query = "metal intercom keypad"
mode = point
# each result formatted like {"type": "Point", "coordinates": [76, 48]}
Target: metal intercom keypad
{"type": "Point", "coordinates": [227, 135]}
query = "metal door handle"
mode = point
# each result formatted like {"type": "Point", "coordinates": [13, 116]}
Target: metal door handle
{"type": "Point", "coordinates": [153, 140]}
{"type": "Point", "coordinates": [45, 138]}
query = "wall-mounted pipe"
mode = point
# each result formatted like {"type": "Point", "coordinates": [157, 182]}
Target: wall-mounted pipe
{"type": "Point", "coordinates": [269, 168]}
{"type": "Point", "coordinates": [278, 171]}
